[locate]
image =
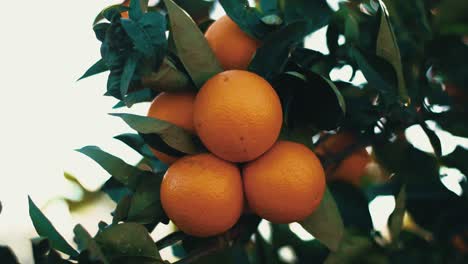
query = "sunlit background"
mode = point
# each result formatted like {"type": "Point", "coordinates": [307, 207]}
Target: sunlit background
{"type": "Point", "coordinates": [46, 114]}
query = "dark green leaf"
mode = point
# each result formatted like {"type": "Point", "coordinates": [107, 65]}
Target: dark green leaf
{"type": "Point", "coordinates": [280, 43]}
{"type": "Point", "coordinates": [100, 30]}
{"type": "Point", "coordinates": [316, 12]}
{"type": "Point", "coordinates": [45, 229]}
{"type": "Point", "coordinates": [140, 96]}
{"type": "Point", "coordinates": [128, 243]}
{"type": "Point", "coordinates": [136, 142]}
{"type": "Point", "coordinates": [168, 79]}
{"type": "Point", "coordinates": [173, 135]}
{"type": "Point", "coordinates": [115, 189]}
{"type": "Point", "coordinates": [457, 159]}
{"type": "Point", "coordinates": [127, 75]}
{"type": "Point", "coordinates": [110, 12]}
{"type": "Point", "coordinates": [371, 72]}
{"type": "Point", "coordinates": [86, 243]}
{"type": "Point", "coordinates": [309, 99]}
{"type": "Point", "coordinates": [121, 211]}
{"type": "Point", "coordinates": [145, 205]}
{"type": "Point", "coordinates": [99, 67]}
{"type": "Point", "coordinates": [249, 19]}
{"type": "Point", "coordinates": [325, 223]}
{"type": "Point", "coordinates": [7, 256]}
{"type": "Point", "coordinates": [136, 9]}
{"type": "Point", "coordinates": [116, 167]}
{"type": "Point", "coordinates": [396, 218]}
{"type": "Point", "coordinates": [433, 138]}
{"type": "Point", "coordinates": [387, 48]}
{"type": "Point", "coordinates": [192, 47]}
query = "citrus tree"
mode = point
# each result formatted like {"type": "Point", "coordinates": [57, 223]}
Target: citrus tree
{"type": "Point", "coordinates": [246, 124]}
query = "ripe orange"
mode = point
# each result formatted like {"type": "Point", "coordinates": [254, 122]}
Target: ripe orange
{"type": "Point", "coordinates": [176, 108]}
{"type": "Point", "coordinates": [351, 168]}
{"type": "Point", "coordinates": [286, 184]}
{"type": "Point", "coordinates": [233, 48]}
{"type": "Point", "coordinates": [125, 14]}
{"type": "Point", "coordinates": [202, 194]}
{"type": "Point", "coordinates": [237, 115]}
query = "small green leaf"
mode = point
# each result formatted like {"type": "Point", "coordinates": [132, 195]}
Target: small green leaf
{"type": "Point", "coordinates": [99, 67]}
{"type": "Point", "coordinates": [121, 211]}
{"type": "Point", "coordinates": [249, 19]}
{"type": "Point", "coordinates": [279, 43]}
{"type": "Point", "coordinates": [396, 218]}
{"type": "Point", "coordinates": [136, 9]}
{"type": "Point", "coordinates": [128, 72]}
{"type": "Point", "coordinates": [86, 243]}
{"type": "Point", "coordinates": [45, 229]}
{"type": "Point", "coordinates": [120, 170]}
{"type": "Point", "coordinates": [138, 36]}
{"type": "Point", "coordinates": [387, 48]}
{"type": "Point", "coordinates": [100, 30]}
{"type": "Point", "coordinates": [139, 96]}
{"type": "Point", "coordinates": [174, 136]}
{"type": "Point", "coordinates": [168, 79]}
{"type": "Point", "coordinates": [316, 13]}
{"type": "Point", "coordinates": [191, 45]}
{"type": "Point", "coordinates": [128, 243]}
{"type": "Point", "coordinates": [325, 223]}
{"type": "Point", "coordinates": [109, 12]}
{"type": "Point", "coordinates": [136, 142]}
{"type": "Point", "coordinates": [433, 138]}
{"type": "Point", "coordinates": [145, 205]}
{"type": "Point", "coordinates": [457, 159]}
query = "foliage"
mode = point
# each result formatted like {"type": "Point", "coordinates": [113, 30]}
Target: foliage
{"type": "Point", "coordinates": [408, 52]}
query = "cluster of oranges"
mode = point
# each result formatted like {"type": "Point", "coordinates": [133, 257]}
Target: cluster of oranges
{"type": "Point", "coordinates": [238, 117]}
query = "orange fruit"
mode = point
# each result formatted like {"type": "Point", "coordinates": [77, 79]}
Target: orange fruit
{"type": "Point", "coordinates": [351, 168]}
{"type": "Point", "coordinates": [232, 46]}
{"type": "Point", "coordinates": [202, 194]}
{"type": "Point", "coordinates": [175, 108]}
{"type": "Point", "coordinates": [237, 115]}
{"type": "Point", "coordinates": [125, 14]}
{"type": "Point", "coordinates": [286, 184]}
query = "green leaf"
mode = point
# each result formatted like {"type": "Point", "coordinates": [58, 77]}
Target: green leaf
{"type": "Point", "coordinates": [45, 229]}
{"type": "Point", "coordinates": [325, 223]}
{"type": "Point", "coordinates": [139, 96]}
{"type": "Point", "coordinates": [128, 243]}
{"type": "Point", "coordinates": [387, 48]}
{"type": "Point", "coordinates": [249, 19]}
{"type": "Point", "coordinates": [280, 43]}
{"type": "Point", "coordinates": [191, 45]}
{"type": "Point", "coordinates": [128, 72]}
{"type": "Point", "coordinates": [115, 166]}
{"type": "Point", "coordinates": [315, 12]}
{"type": "Point", "coordinates": [86, 243]}
{"type": "Point", "coordinates": [136, 9]}
{"type": "Point", "coordinates": [145, 205]}
{"type": "Point", "coordinates": [100, 30]}
{"type": "Point", "coordinates": [121, 211]}
{"type": "Point", "coordinates": [99, 67]}
{"type": "Point", "coordinates": [371, 72]}
{"type": "Point", "coordinates": [457, 159]}
{"type": "Point", "coordinates": [7, 256]}
{"type": "Point", "coordinates": [174, 136]}
{"type": "Point", "coordinates": [313, 102]}
{"type": "Point", "coordinates": [168, 79]}
{"type": "Point", "coordinates": [110, 12]}
{"type": "Point", "coordinates": [136, 142]}
{"type": "Point", "coordinates": [396, 218]}
{"type": "Point", "coordinates": [433, 138]}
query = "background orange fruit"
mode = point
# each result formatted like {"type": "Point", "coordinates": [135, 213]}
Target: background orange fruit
{"type": "Point", "coordinates": [237, 115]}
{"type": "Point", "coordinates": [125, 3]}
{"type": "Point", "coordinates": [233, 47]}
{"type": "Point", "coordinates": [202, 194]}
{"type": "Point", "coordinates": [286, 184]}
{"type": "Point", "coordinates": [176, 108]}
{"type": "Point", "coordinates": [351, 168]}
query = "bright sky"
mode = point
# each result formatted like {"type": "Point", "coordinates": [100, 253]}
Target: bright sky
{"type": "Point", "coordinates": [46, 114]}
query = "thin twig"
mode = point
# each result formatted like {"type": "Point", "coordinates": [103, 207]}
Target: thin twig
{"type": "Point", "coordinates": [170, 239]}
